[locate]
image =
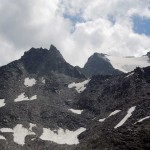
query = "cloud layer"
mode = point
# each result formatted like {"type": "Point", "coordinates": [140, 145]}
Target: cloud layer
{"type": "Point", "coordinates": [78, 28]}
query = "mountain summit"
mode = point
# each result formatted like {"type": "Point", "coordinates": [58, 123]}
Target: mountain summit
{"type": "Point", "coordinates": [99, 64]}
{"type": "Point", "coordinates": [43, 61]}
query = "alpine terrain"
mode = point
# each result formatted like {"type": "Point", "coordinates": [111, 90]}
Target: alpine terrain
{"type": "Point", "coordinates": [47, 104]}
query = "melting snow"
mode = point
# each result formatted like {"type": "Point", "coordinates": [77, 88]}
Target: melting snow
{"type": "Point", "coordinates": [23, 98]}
{"type": "Point", "coordinates": [19, 133]}
{"type": "Point", "coordinates": [127, 64]}
{"type": "Point", "coordinates": [130, 111]}
{"type": "Point", "coordinates": [111, 114]}
{"type": "Point", "coordinates": [2, 102]}
{"type": "Point", "coordinates": [2, 137]}
{"type": "Point", "coordinates": [62, 136]}
{"type": "Point", "coordinates": [29, 82]}
{"type": "Point", "coordinates": [76, 111]}
{"type": "Point", "coordinates": [143, 119]}
{"type": "Point", "coordinates": [80, 87]}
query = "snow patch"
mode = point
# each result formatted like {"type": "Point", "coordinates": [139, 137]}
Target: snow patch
{"type": "Point", "coordinates": [129, 75]}
{"type": "Point", "coordinates": [29, 82]}
{"type": "Point", "coordinates": [76, 111]}
{"type": "Point", "coordinates": [114, 112]}
{"type": "Point", "coordinates": [143, 119]}
{"type": "Point", "coordinates": [128, 64]}
{"type": "Point", "coordinates": [80, 87]}
{"type": "Point", "coordinates": [2, 137]}
{"type": "Point", "coordinates": [22, 97]}
{"type": "Point", "coordinates": [43, 80]}
{"type": "Point", "coordinates": [129, 114]}
{"type": "Point", "coordinates": [62, 136]}
{"type": "Point", "coordinates": [19, 133]}
{"type": "Point", "coordinates": [102, 120]}
{"type": "Point", "coordinates": [111, 114]}
{"type": "Point", "coordinates": [2, 102]}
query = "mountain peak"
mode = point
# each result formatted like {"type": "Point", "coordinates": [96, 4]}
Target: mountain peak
{"type": "Point", "coordinates": [52, 47]}
{"type": "Point", "coordinates": [43, 61]}
{"type": "Point", "coordinates": [98, 63]}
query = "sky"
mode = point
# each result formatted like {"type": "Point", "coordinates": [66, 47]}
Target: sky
{"type": "Point", "coordinates": [78, 28]}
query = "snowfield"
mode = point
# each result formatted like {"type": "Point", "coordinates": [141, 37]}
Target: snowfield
{"type": "Point", "coordinates": [22, 97]}
{"type": "Point", "coordinates": [19, 133]}
{"type": "Point", "coordinates": [111, 114]}
{"type": "Point", "coordinates": [62, 136]}
{"type": "Point", "coordinates": [29, 82]}
{"type": "Point", "coordinates": [129, 114]}
{"type": "Point", "coordinates": [128, 64]}
{"type": "Point", "coordinates": [80, 87]}
{"type": "Point", "coordinates": [59, 136]}
{"type": "Point", "coordinates": [143, 119]}
{"type": "Point", "coordinates": [2, 103]}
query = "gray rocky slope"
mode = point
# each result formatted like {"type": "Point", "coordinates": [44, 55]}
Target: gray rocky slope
{"type": "Point", "coordinates": [41, 110]}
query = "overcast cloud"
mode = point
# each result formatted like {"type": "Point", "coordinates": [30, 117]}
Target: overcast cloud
{"type": "Point", "coordinates": [78, 28]}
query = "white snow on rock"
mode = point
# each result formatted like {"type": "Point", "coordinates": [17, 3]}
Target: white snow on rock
{"type": "Point", "coordinates": [143, 119]}
{"type": "Point", "coordinates": [76, 111]}
{"type": "Point", "coordinates": [2, 102]}
{"type": "Point", "coordinates": [111, 114]}
{"type": "Point", "coordinates": [22, 97]}
{"type": "Point", "coordinates": [80, 87]}
{"type": "Point", "coordinates": [102, 120]}
{"type": "Point", "coordinates": [62, 136]}
{"type": "Point", "coordinates": [129, 75]}
{"type": "Point", "coordinates": [128, 64]}
{"type": "Point", "coordinates": [19, 133]}
{"type": "Point", "coordinates": [31, 126]}
{"type": "Point", "coordinates": [114, 112]}
{"type": "Point", "coordinates": [2, 137]}
{"type": "Point", "coordinates": [43, 80]}
{"type": "Point", "coordinates": [129, 114]}
{"type": "Point", "coordinates": [29, 82]}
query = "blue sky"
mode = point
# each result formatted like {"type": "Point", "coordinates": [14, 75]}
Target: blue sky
{"type": "Point", "coordinates": [141, 25]}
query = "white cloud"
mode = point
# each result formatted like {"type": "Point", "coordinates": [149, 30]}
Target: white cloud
{"type": "Point", "coordinates": [36, 23]}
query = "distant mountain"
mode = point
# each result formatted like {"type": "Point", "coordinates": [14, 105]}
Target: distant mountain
{"type": "Point", "coordinates": [47, 104]}
{"type": "Point", "coordinates": [98, 64]}
{"type": "Point", "coordinates": [103, 64]}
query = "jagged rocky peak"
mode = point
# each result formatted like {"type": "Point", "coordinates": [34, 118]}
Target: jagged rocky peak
{"type": "Point", "coordinates": [55, 52]}
{"type": "Point", "coordinates": [43, 61]}
{"type": "Point", "coordinates": [100, 55]}
{"type": "Point", "coordinates": [42, 53]}
{"type": "Point", "coordinates": [98, 63]}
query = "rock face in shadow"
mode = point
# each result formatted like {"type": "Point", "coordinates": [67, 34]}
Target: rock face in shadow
{"type": "Point", "coordinates": [98, 64]}
{"type": "Point", "coordinates": [43, 61]}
